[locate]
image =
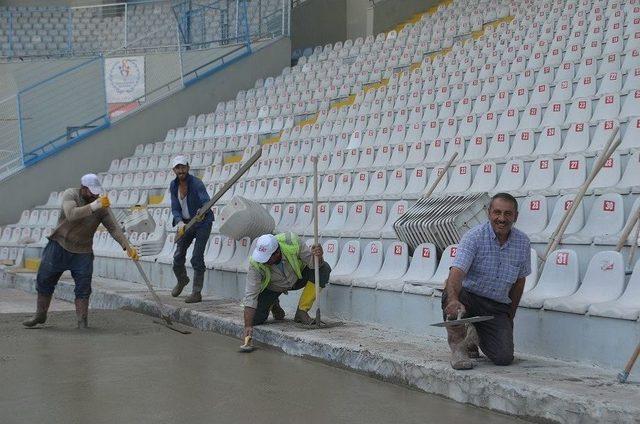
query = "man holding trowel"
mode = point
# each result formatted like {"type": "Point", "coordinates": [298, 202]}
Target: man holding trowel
{"type": "Point", "coordinates": [70, 247]}
{"type": "Point", "coordinates": [487, 279]}
{"type": "Point", "coordinates": [188, 195]}
{"type": "Point", "coordinates": [278, 264]}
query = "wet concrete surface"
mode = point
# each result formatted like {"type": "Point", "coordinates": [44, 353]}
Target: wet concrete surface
{"type": "Point", "coordinates": [126, 369]}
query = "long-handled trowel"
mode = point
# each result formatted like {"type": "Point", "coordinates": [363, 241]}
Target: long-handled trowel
{"type": "Point", "coordinates": [462, 321]}
{"type": "Point", "coordinates": [168, 322]}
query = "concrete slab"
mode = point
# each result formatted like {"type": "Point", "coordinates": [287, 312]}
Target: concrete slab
{"type": "Point", "coordinates": [125, 369]}
{"type": "Point", "coordinates": [18, 301]}
{"type": "Point", "coordinates": [533, 387]}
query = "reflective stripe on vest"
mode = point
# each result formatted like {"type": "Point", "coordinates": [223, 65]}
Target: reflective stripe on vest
{"type": "Point", "coordinates": [289, 246]}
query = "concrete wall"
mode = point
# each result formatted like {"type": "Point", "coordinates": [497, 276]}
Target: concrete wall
{"type": "Point", "coordinates": [359, 15]}
{"type": "Point", "coordinates": [388, 13]}
{"type": "Point", "coordinates": [319, 22]}
{"type": "Point", "coordinates": [37, 3]}
{"type": "Point", "coordinates": [32, 186]}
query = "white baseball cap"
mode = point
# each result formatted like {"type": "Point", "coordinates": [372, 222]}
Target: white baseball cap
{"type": "Point", "coordinates": [179, 160]}
{"type": "Point", "coordinates": [92, 182]}
{"type": "Point", "coordinates": [265, 246]}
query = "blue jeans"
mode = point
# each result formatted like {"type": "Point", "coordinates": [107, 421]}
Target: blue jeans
{"type": "Point", "coordinates": [55, 261]}
{"type": "Point", "coordinates": [201, 235]}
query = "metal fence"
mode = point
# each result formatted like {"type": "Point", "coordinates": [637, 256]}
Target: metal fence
{"type": "Point", "coordinates": [10, 148]}
{"type": "Point", "coordinates": [61, 101]}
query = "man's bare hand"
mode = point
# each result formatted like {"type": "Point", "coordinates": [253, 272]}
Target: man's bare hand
{"type": "Point", "coordinates": [453, 308]}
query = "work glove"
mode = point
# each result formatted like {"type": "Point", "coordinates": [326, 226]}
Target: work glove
{"type": "Point", "coordinates": [200, 214]}
{"type": "Point", "coordinates": [180, 229]}
{"type": "Point", "coordinates": [133, 253]}
{"type": "Point", "coordinates": [100, 203]}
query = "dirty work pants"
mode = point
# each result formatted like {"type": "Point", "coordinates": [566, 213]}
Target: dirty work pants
{"type": "Point", "coordinates": [267, 297]}
{"type": "Point", "coordinates": [56, 260]}
{"type": "Point", "coordinates": [496, 335]}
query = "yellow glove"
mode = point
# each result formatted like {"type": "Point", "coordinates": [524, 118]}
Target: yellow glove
{"type": "Point", "coordinates": [100, 203]}
{"type": "Point", "coordinates": [133, 253]}
{"type": "Point", "coordinates": [180, 229]}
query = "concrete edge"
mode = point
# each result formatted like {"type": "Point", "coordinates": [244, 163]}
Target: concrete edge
{"type": "Point", "coordinates": [528, 401]}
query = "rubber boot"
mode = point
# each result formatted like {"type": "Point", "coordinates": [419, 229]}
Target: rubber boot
{"type": "Point", "coordinates": [198, 283]}
{"type": "Point", "coordinates": [305, 303]}
{"type": "Point", "coordinates": [82, 312]}
{"type": "Point", "coordinates": [183, 280]}
{"type": "Point", "coordinates": [277, 311]}
{"type": "Point", "coordinates": [40, 317]}
{"type": "Point", "coordinates": [471, 342]}
{"type": "Point", "coordinates": [459, 358]}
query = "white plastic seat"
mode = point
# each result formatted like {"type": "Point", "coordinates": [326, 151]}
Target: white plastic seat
{"type": "Point", "coordinates": [360, 186]}
{"type": "Point", "coordinates": [377, 185]}
{"type": "Point", "coordinates": [369, 266]}
{"type": "Point", "coordinates": [354, 221]}
{"type": "Point", "coordinates": [605, 218]}
{"type": "Point", "coordinates": [577, 138]}
{"type": "Point", "coordinates": [608, 107]}
{"type": "Point", "coordinates": [554, 115]}
{"type": "Point", "coordinates": [288, 219]}
{"type": "Point", "coordinates": [347, 263]}
{"type": "Point", "coordinates": [343, 186]}
{"type": "Point", "coordinates": [608, 177]}
{"type": "Point", "coordinates": [442, 272]}
{"type": "Point", "coordinates": [627, 306]}
{"type": "Point", "coordinates": [394, 267]}
{"type": "Point", "coordinates": [376, 218]}
{"type": "Point", "coordinates": [485, 178]}
{"type": "Point", "coordinates": [396, 210]}
{"type": "Point", "coordinates": [631, 176]}
{"type": "Point", "coordinates": [531, 279]}
{"type": "Point", "coordinates": [603, 281]}
{"type": "Point", "coordinates": [240, 255]}
{"type": "Point", "coordinates": [562, 205]}
{"type": "Point", "coordinates": [631, 105]}
{"type": "Point", "coordinates": [227, 249]}
{"type": "Point", "coordinates": [499, 146]}
{"type": "Point", "coordinates": [336, 221]}
{"type": "Point", "coordinates": [571, 175]}
{"type": "Point", "coordinates": [422, 266]}
{"type": "Point", "coordinates": [511, 176]}
{"type": "Point", "coordinates": [559, 278]}
{"type": "Point", "coordinates": [532, 214]}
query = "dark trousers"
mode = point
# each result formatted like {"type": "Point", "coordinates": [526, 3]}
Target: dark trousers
{"type": "Point", "coordinates": [199, 233]}
{"type": "Point", "coordinates": [496, 335]}
{"type": "Point", "coordinates": [267, 297]}
{"type": "Point", "coordinates": [56, 260]}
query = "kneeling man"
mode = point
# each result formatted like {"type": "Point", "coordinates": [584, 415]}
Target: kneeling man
{"type": "Point", "coordinates": [487, 278]}
{"type": "Point", "coordinates": [278, 264]}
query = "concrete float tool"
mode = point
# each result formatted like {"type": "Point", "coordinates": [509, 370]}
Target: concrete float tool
{"type": "Point", "coordinates": [462, 321]}
{"type": "Point", "coordinates": [161, 306]}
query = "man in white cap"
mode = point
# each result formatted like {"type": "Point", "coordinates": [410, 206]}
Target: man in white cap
{"type": "Point", "coordinates": [70, 247]}
{"type": "Point", "coordinates": [188, 195]}
{"type": "Point", "coordinates": [278, 264]}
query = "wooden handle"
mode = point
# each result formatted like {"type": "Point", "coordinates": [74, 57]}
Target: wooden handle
{"type": "Point", "coordinates": [437, 181]}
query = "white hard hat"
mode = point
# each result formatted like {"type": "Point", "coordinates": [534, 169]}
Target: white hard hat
{"type": "Point", "coordinates": [92, 182]}
{"type": "Point", "coordinates": [265, 246]}
{"type": "Point", "coordinates": [179, 160]}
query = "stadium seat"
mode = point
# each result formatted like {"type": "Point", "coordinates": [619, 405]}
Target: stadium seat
{"type": "Point", "coordinates": [560, 277]}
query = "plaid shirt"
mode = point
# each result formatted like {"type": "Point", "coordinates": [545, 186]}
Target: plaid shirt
{"type": "Point", "coordinates": [492, 269]}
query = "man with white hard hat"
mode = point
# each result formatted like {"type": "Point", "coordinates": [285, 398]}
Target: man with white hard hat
{"type": "Point", "coordinates": [188, 195]}
{"type": "Point", "coordinates": [70, 247]}
{"type": "Point", "coordinates": [278, 264]}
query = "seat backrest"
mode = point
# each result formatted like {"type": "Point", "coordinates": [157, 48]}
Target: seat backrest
{"type": "Point", "coordinates": [423, 263]}
{"type": "Point", "coordinates": [417, 181]}
{"type": "Point", "coordinates": [349, 258]}
{"type": "Point", "coordinates": [338, 217]}
{"type": "Point", "coordinates": [460, 179]}
{"type": "Point", "coordinates": [604, 278]}
{"type": "Point", "coordinates": [532, 214]}
{"type": "Point", "coordinates": [560, 274]}
{"type": "Point", "coordinates": [343, 185]}
{"type": "Point", "coordinates": [572, 172]}
{"type": "Point", "coordinates": [396, 261]}
{"type": "Point", "coordinates": [446, 260]}
{"type": "Point", "coordinates": [371, 262]}
{"type": "Point", "coordinates": [531, 279]}
{"type": "Point", "coordinates": [376, 217]}
{"type": "Point", "coordinates": [485, 178]}
{"type": "Point", "coordinates": [577, 138]}
{"type": "Point", "coordinates": [360, 184]}
{"type": "Point", "coordinates": [606, 215]}
{"type": "Point", "coordinates": [356, 217]}
{"type": "Point", "coordinates": [330, 252]}
{"type": "Point", "coordinates": [289, 215]}
{"type": "Point", "coordinates": [540, 174]}
{"type": "Point", "coordinates": [378, 183]}
{"type": "Point", "coordinates": [227, 250]}
{"type": "Point", "coordinates": [563, 204]}
{"type": "Point", "coordinates": [512, 176]}
{"type": "Point", "coordinates": [631, 174]}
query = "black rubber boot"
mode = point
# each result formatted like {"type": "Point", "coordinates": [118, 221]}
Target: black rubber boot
{"type": "Point", "coordinates": [40, 317]}
{"type": "Point", "coordinates": [183, 280]}
{"type": "Point", "coordinates": [198, 283]}
{"type": "Point", "coordinates": [82, 312]}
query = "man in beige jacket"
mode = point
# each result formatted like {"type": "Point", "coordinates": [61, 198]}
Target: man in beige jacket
{"type": "Point", "coordinates": [70, 247]}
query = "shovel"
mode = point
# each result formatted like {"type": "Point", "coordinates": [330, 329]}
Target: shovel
{"type": "Point", "coordinates": [462, 321]}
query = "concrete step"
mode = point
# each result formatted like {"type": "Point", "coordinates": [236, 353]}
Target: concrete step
{"type": "Point", "coordinates": [533, 387]}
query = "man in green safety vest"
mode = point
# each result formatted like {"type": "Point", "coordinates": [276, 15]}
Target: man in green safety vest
{"type": "Point", "coordinates": [278, 264]}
